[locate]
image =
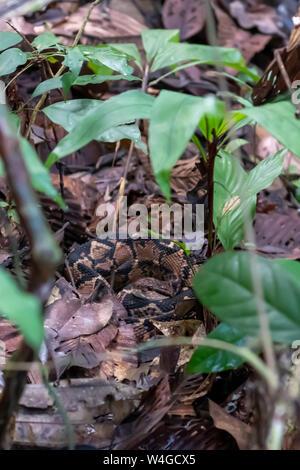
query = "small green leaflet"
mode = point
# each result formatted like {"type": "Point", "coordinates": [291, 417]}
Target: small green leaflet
{"type": "Point", "coordinates": [207, 360]}
{"type": "Point", "coordinates": [11, 59]}
{"type": "Point", "coordinates": [9, 39]}
{"type": "Point", "coordinates": [235, 193]}
{"type": "Point", "coordinates": [22, 309]}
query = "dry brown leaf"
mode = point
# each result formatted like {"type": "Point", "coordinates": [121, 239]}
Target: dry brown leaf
{"type": "Point", "coordinates": [239, 430]}
{"type": "Point", "coordinates": [186, 15]}
{"type": "Point", "coordinates": [229, 35]}
{"type": "Point", "coordinates": [94, 408]}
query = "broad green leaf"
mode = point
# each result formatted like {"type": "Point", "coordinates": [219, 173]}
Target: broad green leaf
{"type": "Point", "coordinates": [70, 79]}
{"type": "Point", "coordinates": [265, 172]}
{"type": "Point", "coordinates": [173, 121]}
{"type": "Point", "coordinates": [22, 309]}
{"type": "Point", "coordinates": [291, 267]}
{"type": "Point", "coordinates": [235, 194]}
{"type": "Point", "coordinates": [121, 109]}
{"type": "Point", "coordinates": [9, 39]}
{"type": "Point", "coordinates": [172, 54]}
{"type": "Point", "coordinates": [214, 119]}
{"type": "Point", "coordinates": [45, 41]}
{"type": "Point", "coordinates": [131, 132]}
{"type": "Point", "coordinates": [99, 69]}
{"type": "Point", "coordinates": [230, 179]}
{"type": "Point", "coordinates": [11, 59]}
{"type": "Point", "coordinates": [95, 79]}
{"type": "Point", "coordinates": [224, 285]}
{"type": "Point", "coordinates": [112, 58]}
{"type": "Point", "coordinates": [74, 60]}
{"type": "Point", "coordinates": [278, 118]}
{"type": "Point", "coordinates": [235, 144]}
{"type": "Point", "coordinates": [67, 81]}
{"type": "Point", "coordinates": [39, 174]}
{"type": "Point", "coordinates": [207, 360]}
{"type": "Point", "coordinates": [131, 52]}
{"type": "Point", "coordinates": [154, 40]}
{"type": "Point", "coordinates": [47, 85]}
{"type": "Point", "coordinates": [69, 114]}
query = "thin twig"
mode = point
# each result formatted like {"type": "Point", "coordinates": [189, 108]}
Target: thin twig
{"type": "Point", "coordinates": [62, 68]}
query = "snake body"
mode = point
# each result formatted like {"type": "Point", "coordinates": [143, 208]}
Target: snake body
{"type": "Point", "coordinates": [150, 277]}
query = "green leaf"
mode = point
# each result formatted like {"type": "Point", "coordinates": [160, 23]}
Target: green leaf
{"type": "Point", "coordinates": [74, 60]}
{"type": "Point", "coordinates": [214, 119]}
{"type": "Point", "coordinates": [71, 113]}
{"type": "Point", "coordinates": [95, 79]}
{"type": "Point", "coordinates": [265, 172]}
{"type": "Point", "coordinates": [224, 285]}
{"type": "Point", "coordinates": [207, 360]}
{"type": "Point", "coordinates": [131, 52]}
{"type": "Point", "coordinates": [235, 144]}
{"type": "Point", "coordinates": [230, 179]}
{"type": "Point", "coordinates": [47, 85]}
{"type": "Point", "coordinates": [68, 79]}
{"type": "Point", "coordinates": [45, 41]}
{"type": "Point", "coordinates": [171, 54]}
{"type": "Point", "coordinates": [173, 121]}
{"type": "Point", "coordinates": [9, 39]}
{"type": "Point", "coordinates": [10, 60]}
{"type": "Point", "coordinates": [155, 40]}
{"type": "Point", "coordinates": [115, 111]}
{"type": "Point", "coordinates": [22, 309]}
{"type": "Point", "coordinates": [291, 267]}
{"type": "Point", "coordinates": [107, 56]}
{"type": "Point", "coordinates": [39, 174]}
{"type": "Point", "coordinates": [278, 118]}
{"type": "Point", "coordinates": [131, 132]}
{"type": "Point", "coordinates": [235, 194]}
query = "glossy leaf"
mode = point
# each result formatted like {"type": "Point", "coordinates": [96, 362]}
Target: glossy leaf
{"type": "Point", "coordinates": [172, 54]}
{"type": "Point", "coordinates": [224, 285]}
{"type": "Point", "coordinates": [173, 121]}
{"type": "Point", "coordinates": [9, 39]}
{"type": "Point", "coordinates": [207, 360]}
{"type": "Point", "coordinates": [59, 82]}
{"type": "Point", "coordinates": [22, 309]}
{"type": "Point", "coordinates": [155, 40]}
{"type": "Point", "coordinates": [291, 267]}
{"type": "Point", "coordinates": [131, 52]}
{"type": "Point", "coordinates": [278, 118]}
{"type": "Point", "coordinates": [69, 114]}
{"type": "Point", "coordinates": [265, 172]}
{"type": "Point", "coordinates": [112, 58]}
{"type": "Point", "coordinates": [39, 174]}
{"type": "Point", "coordinates": [121, 109]}
{"type": "Point", "coordinates": [11, 59]}
{"type": "Point", "coordinates": [45, 41]}
{"type": "Point", "coordinates": [235, 194]}
{"type": "Point", "coordinates": [74, 60]}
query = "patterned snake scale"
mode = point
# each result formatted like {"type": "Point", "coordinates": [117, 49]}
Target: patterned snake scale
{"type": "Point", "coordinates": [151, 277]}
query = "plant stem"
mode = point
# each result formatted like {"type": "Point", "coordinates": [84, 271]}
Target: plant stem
{"type": "Point", "coordinates": [62, 68]}
{"type": "Point", "coordinates": [143, 89]}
